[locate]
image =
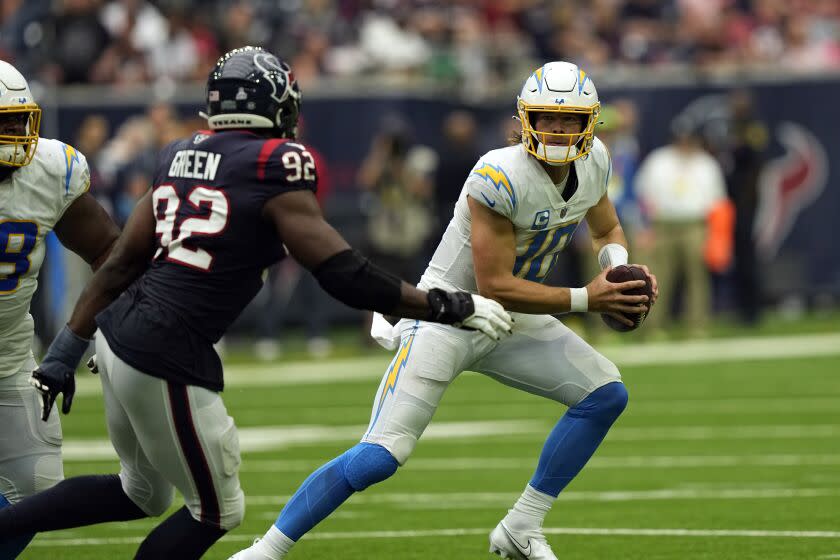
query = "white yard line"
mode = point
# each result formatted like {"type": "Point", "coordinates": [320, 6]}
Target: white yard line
{"type": "Point", "coordinates": [509, 463]}
{"type": "Point", "coordinates": [676, 352]}
{"type": "Point", "coordinates": [471, 500]}
{"type": "Point", "coordinates": [46, 541]}
{"type": "Point", "coordinates": [268, 438]}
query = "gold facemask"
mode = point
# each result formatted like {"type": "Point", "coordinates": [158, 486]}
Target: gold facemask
{"type": "Point", "coordinates": [18, 150]}
{"type": "Point", "coordinates": [570, 146]}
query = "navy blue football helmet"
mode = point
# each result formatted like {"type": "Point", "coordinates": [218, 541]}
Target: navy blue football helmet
{"type": "Point", "coordinates": [252, 88]}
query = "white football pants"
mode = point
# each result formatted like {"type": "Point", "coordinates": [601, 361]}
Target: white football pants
{"type": "Point", "coordinates": [30, 449]}
{"type": "Point", "coordinates": [543, 357]}
{"type": "Point", "coordinates": [170, 436]}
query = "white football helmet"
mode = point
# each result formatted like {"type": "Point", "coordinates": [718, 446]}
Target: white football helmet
{"type": "Point", "coordinates": [564, 88]}
{"type": "Point", "coordinates": [20, 118]}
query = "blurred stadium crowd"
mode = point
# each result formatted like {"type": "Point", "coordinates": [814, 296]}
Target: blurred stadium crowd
{"type": "Point", "coordinates": [127, 42]}
{"type": "Point", "coordinates": [393, 192]}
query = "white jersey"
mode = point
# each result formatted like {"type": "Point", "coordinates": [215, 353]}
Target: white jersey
{"type": "Point", "coordinates": [32, 201]}
{"type": "Point", "coordinates": [514, 184]}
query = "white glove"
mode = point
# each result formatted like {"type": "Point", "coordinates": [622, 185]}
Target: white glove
{"type": "Point", "coordinates": [489, 317]}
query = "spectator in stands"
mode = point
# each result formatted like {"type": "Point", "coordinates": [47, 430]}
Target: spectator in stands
{"type": "Point", "coordinates": [78, 42]}
{"type": "Point", "coordinates": [474, 47]}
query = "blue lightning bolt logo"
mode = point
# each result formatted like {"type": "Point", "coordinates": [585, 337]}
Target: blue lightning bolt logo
{"type": "Point", "coordinates": [71, 156]}
{"type": "Point", "coordinates": [497, 177]}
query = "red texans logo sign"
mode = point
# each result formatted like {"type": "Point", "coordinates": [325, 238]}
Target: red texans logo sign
{"type": "Point", "coordinates": [788, 185]}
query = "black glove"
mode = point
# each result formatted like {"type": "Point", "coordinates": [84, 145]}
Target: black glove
{"type": "Point", "coordinates": [56, 374]}
{"type": "Point", "coordinates": [450, 307]}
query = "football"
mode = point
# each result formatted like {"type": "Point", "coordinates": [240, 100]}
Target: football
{"type": "Point", "coordinates": [626, 273]}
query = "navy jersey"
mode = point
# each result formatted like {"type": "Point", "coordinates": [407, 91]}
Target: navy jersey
{"type": "Point", "coordinates": [213, 245]}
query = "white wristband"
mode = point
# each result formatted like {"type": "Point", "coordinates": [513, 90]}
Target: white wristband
{"type": "Point", "coordinates": [612, 255]}
{"type": "Point", "coordinates": [579, 299]}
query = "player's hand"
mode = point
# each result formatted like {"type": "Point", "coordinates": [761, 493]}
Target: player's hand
{"type": "Point", "coordinates": [607, 297]}
{"type": "Point", "coordinates": [653, 282]}
{"type": "Point", "coordinates": [52, 379]}
{"type": "Point", "coordinates": [470, 311]}
{"type": "Point", "coordinates": [92, 364]}
{"type": "Point", "coordinates": [56, 374]}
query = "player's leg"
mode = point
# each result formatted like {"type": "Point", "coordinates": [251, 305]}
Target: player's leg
{"type": "Point", "coordinates": [190, 443]}
{"type": "Point", "coordinates": [30, 449]}
{"type": "Point", "coordinates": [429, 358]}
{"type": "Point", "coordinates": [546, 358]}
{"type": "Point", "coordinates": [68, 503]}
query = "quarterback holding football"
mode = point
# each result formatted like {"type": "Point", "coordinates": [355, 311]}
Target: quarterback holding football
{"type": "Point", "coordinates": [517, 210]}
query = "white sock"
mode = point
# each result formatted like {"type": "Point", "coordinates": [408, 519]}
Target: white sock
{"type": "Point", "coordinates": [275, 544]}
{"type": "Point", "coordinates": [530, 510]}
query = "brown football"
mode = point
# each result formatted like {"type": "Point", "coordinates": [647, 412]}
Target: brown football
{"type": "Point", "coordinates": [626, 273]}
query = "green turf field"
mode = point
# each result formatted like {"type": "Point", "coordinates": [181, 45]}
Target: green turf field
{"type": "Point", "coordinates": [719, 456]}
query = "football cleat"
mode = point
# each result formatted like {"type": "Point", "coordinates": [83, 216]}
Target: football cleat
{"type": "Point", "coordinates": [253, 552]}
{"type": "Point", "coordinates": [529, 545]}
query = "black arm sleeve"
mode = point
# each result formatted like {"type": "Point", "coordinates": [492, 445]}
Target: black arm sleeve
{"type": "Point", "coordinates": [355, 281]}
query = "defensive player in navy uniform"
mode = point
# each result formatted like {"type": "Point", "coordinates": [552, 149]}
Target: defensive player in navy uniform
{"type": "Point", "coordinates": [517, 210]}
{"type": "Point", "coordinates": [43, 187]}
{"type": "Point", "coordinates": [225, 204]}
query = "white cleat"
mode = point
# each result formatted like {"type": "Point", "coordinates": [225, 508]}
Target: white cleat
{"type": "Point", "coordinates": [253, 552]}
{"type": "Point", "coordinates": [529, 545]}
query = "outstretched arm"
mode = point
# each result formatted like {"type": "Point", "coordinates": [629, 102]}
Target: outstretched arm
{"type": "Point", "coordinates": [314, 243]}
{"type": "Point", "coordinates": [352, 279]}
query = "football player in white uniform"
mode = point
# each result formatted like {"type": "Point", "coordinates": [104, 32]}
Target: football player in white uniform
{"type": "Point", "coordinates": [43, 188]}
{"type": "Point", "coordinates": [517, 210]}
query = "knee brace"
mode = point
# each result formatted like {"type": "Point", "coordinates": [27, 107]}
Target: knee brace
{"type": "Point", "coordinates": [366, 464]}
{"type": "Point", "coordinates": [604, 404]}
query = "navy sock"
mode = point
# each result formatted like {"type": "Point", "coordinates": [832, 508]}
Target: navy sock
{"type": "Point", "coordinates": [75, 502]}
{"type": "Point", "coordinates": [576, 437]}
{"type": "Point", "coordinates": [11, 548]}
{"type": "Point", "coordinates": [330, 486]}
{"type": "Point", "coordinates": [180, 537]}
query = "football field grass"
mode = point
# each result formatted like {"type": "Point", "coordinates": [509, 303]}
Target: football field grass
{"type": "Point", "coordinates": [729, 449]}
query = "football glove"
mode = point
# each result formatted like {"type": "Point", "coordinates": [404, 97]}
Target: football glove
{"type": "Point", "coordinates": [470, 311]}
{"type": "Point", "coordinates": [57, 373]}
